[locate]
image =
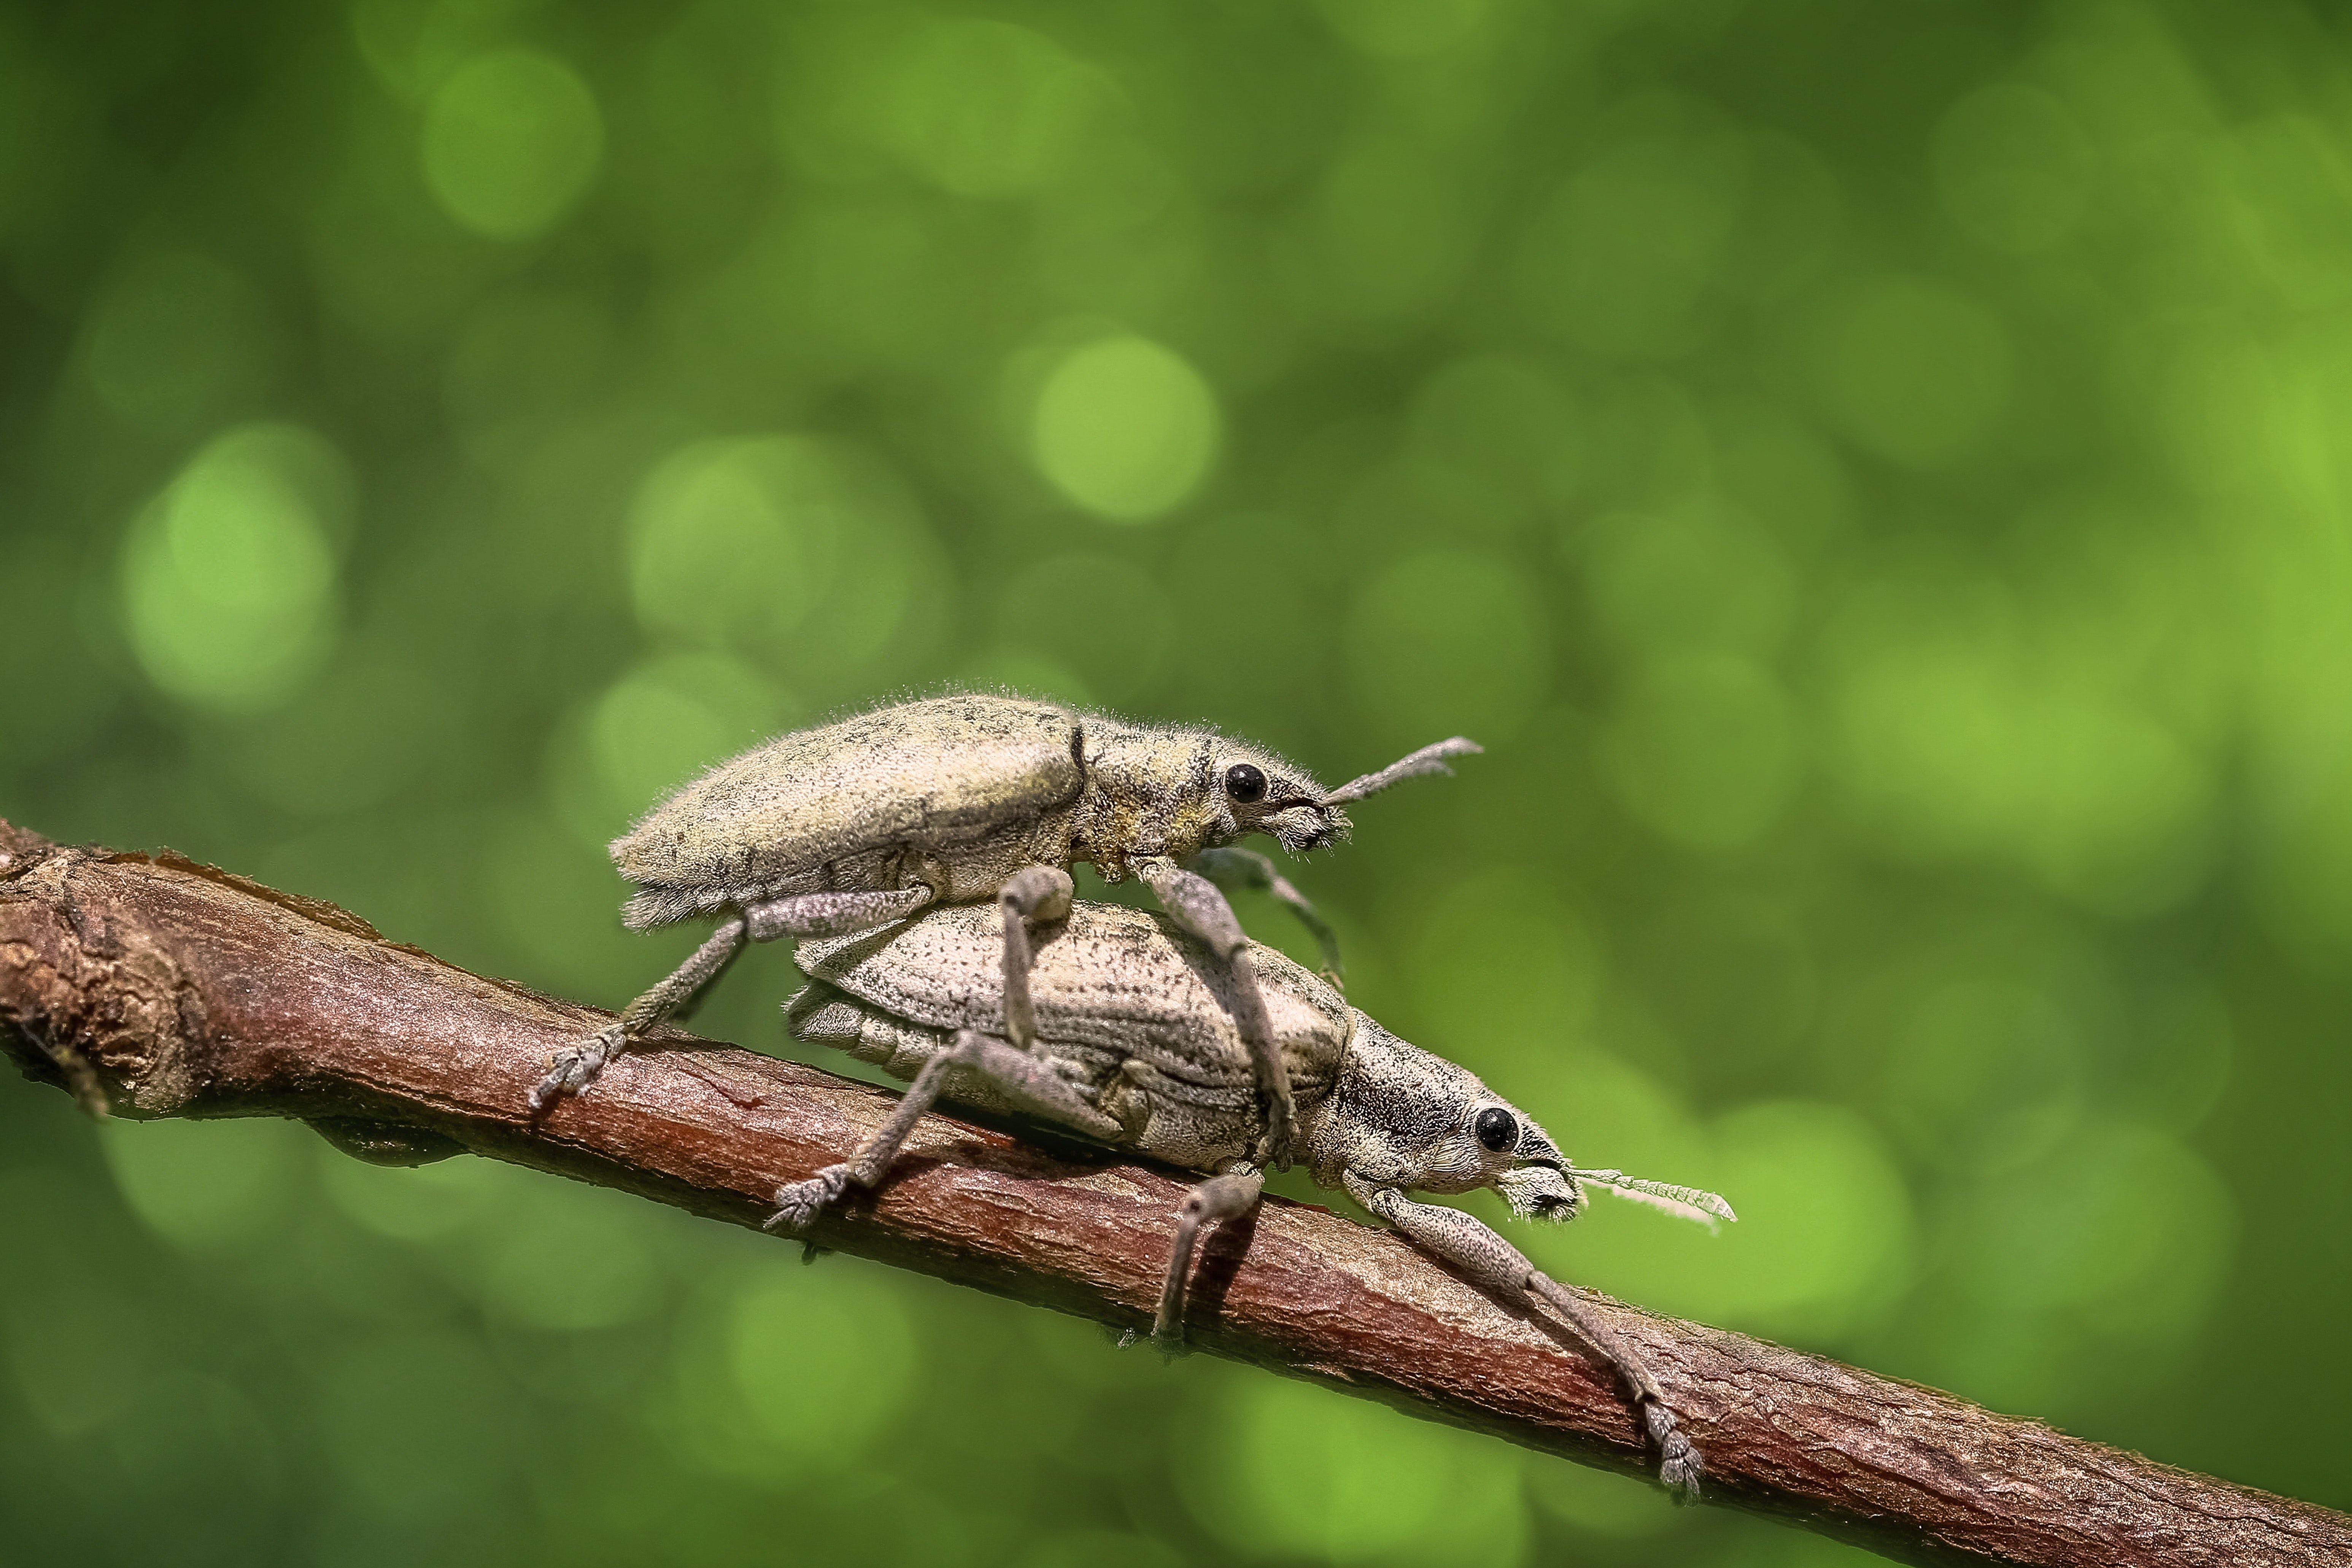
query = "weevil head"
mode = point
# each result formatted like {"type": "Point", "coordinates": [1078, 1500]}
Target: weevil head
{"type": "Point", "coordinates": [1257, 792]}
{"type": "Point", "coordinates": [1402, 1116]}
{"type": "Point", "coordinates": [1177, 791]}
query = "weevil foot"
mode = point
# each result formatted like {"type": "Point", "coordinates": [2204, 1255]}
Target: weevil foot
{"type": "Point", "coordinates": [1169, 1346]}
{"type": "Point", "coordinates": [799, 1202]}
{"type": "Point", "coordinates": [1678, 1462]}
{"type": "Point", "coordinates": [565, 1076]}
{"type": "Point", "coordinates": [575, 1067]}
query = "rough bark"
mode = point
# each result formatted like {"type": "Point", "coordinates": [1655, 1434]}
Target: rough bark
{"type": "Point", "coordinates": [166, 988]}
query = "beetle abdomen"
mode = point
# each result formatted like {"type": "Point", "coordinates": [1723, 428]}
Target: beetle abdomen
{"type": "Point", "coordinates": [901, 795]}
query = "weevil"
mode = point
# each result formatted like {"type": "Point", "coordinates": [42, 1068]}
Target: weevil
{"type": "Point", "coordinates": [975, 796]}
{"type": "Point", "coordinates": [1135, 1046]}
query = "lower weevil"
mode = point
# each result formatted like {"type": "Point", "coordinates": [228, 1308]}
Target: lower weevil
{"type": "Point", "coordinates": [853, 824]}
{"type": "Point", "coordinates": [1135, 1046]}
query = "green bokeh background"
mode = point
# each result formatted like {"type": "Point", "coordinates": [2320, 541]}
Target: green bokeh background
{"type": "Point", "coordinates": [1874, 478]}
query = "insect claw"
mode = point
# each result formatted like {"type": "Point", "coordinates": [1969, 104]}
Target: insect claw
{"type": "Point", "coordinates": [1678, 1462]}
{"type": "Point", "coordinates": [575, 1067]}
{"type": "Point", "coordinates": [799, 1202]}
{"type": "Point", "coordinates": [1172, 1347]}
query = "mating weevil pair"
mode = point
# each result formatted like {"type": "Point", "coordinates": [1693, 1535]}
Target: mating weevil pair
{"type": "Point", "coordinates": [854, 825]}
{"type": "Point", "coordinates": [1151, 1037]}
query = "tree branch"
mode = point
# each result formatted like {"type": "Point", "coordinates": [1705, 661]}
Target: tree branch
{"type": "Point", "coordinates": [173, 989]}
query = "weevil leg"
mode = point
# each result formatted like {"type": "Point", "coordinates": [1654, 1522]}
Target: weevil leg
{"type": "Point", "coordinates": [1194, 903]}
{"type": "Point", "coordinates": [1222, 1197]}
{"type": "Point", "coordinates": [802, 914]}
{"type": "Point", "coordinates": [1028, 898]}
{"type": "Point", "coordinates": [1230, 869]}
{"type": "Point", "coordinates": [1030, 1082]}
{"type": "Point", "coordinates": [1496, 1265]}
{"type": "Point", "coordinates": [576, 1067]}
{"type": "Point", "coordinates": [833, 914]}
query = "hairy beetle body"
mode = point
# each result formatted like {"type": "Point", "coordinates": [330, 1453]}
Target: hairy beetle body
{"type": "Point", "coordinates": [1151, 1043]}
{"type": "Point", "coordinates": [1135, 1044]}
{"type": "Point", "coordinates": [955, 793]}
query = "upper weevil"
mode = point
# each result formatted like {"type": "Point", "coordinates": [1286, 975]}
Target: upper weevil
{"type": "Point", "coordinates": [965, 797]}
{"type": "Point", "coordinates": [1134, 1048]}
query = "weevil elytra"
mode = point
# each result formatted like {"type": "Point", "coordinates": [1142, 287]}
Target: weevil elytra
{"type": "Point", "coordinates": [966, 797]}
{"type": "Point", "coordinates": [1135, 1045]}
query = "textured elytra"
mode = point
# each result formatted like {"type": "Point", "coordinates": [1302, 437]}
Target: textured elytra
{"type": "Point", "coordinates": [1109, 978]}
{"type": "Point", "coordinates": [1134, 1010]}
{"type": "Point", "coordinates": [955, 793]}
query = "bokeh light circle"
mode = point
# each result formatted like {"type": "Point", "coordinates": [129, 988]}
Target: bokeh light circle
{"type": "Point", "coordinates": [799, 553]}
{"type": "Point", "coordinates": [1126, 429]}
{"type": "Point", "coordinates": [987, 109]}
{"type": "Point", "coordinates": [229, 577]}
{"type": "Point", "coordinates": [512, 140]}
{"type": "Point", "coordinates": [1287, 1477]}
{"type": "Point", "coordinates": [820, 1411]}
{"type": "Point", "coordinates": [1825, 1239]}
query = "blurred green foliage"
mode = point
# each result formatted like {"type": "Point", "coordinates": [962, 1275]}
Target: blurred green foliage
{"type": "Point", "coordinates": [1875, 477]}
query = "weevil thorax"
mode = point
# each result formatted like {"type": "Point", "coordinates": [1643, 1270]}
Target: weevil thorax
{"type": "Point", "coordinates": [1176, 790]}
{"type": "Point", "coordinates": [1402, 1116]}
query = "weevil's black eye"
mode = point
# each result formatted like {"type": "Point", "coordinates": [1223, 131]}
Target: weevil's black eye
{"type": "Point", "coordinates": [1497, 1129]}
{"type": "Point", "coordinates": [1245, 784]}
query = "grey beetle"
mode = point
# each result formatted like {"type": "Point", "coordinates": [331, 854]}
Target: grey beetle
{"type": "Point", "coordinates": [963, 797]}
{"type": "Point", "coordinates": [1137, 1047]}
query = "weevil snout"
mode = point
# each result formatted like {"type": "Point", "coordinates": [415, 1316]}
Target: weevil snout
{"type": "Point", "coordinates": [1542, 1192]}
{"type": "Point", "coordinates": [1307, 824]}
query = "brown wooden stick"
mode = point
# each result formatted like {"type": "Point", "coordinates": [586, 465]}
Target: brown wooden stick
{"type": "Point", "coordinates": [175, 989]}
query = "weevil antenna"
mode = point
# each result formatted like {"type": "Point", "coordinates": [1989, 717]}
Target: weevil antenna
{"type": "Point", "coordinates": [1689, 1203]}
{"type": "Point", "coordinates": [1428, 760]}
